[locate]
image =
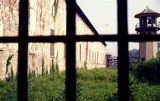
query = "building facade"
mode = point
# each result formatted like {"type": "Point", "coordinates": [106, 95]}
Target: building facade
{"type": "Point", "coordinates": [46, 18]}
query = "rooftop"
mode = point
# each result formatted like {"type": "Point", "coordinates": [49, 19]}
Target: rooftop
{"type": "Point", "coordinates": [147, 12]}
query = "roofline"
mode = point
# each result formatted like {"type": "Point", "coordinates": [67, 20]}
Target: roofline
{"type": "Point", "coordinates": [86, 21]}
{"type": "Point", "coordinates": [147, 14]}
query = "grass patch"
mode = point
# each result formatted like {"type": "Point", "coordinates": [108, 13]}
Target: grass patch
{"type": "Point", "coordinates": [92, 85]}
{"type": "Point", "coordinates": [145, 80]}
{"type": "Point", "coordinates": [96, 85]}
{"type": "Point", "coordinates": [143, 91]}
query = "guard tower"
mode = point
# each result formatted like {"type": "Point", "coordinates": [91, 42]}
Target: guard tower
{"type": "Point", "coordinates": [147, 25]}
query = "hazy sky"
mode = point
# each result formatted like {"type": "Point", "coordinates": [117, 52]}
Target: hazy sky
{"type": "Point", "coordinates": [103, 16]}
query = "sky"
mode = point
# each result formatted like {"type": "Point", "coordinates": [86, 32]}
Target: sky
{"type": "Point", "coordinates": [103, 15]}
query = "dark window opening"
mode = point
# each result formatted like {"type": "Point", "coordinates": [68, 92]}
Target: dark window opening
{"type": "Point", "coordinates": [143, 59]}
{"type": "Point", "coordinates": [97, 58]}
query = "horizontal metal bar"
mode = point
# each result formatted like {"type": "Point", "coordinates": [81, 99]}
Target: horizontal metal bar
{"type": "Point", "coordinates": [141, 38]}
{"type": "Point", "coordinates": [134, 38]}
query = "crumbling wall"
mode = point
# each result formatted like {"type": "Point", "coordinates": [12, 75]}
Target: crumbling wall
{"type": "Point", "coordinates": [7, 64]}
{"type": "Point", "coordinates": [41, 21]}
{"type": "Point", "coordinates": [8, 27]}
{"type": "Point", "coordinates": [46, 18]}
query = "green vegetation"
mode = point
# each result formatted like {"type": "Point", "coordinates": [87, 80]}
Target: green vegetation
{"type": "Point", "coordinates": [92, 85]}
{"type": "Point", "coordinates": [8, 90]}
{"type": "Point", "coordinates": [97, 85]}
{"type": "Point", "coordinates": [9, 68]}
{"type": "Point", "coordinates": [147, 71]}
{"type": "Point", "coordinates": [145, 80]}
{"type": "Point", "coordinates": [47, 87]}
{"type": "Point", "coordinates": [144, 91]}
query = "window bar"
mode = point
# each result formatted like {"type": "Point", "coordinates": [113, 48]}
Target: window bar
{"type": "Point", "coordinates": [22, 50]}
{"type": "Point", "coordinates": [70, 50]}
{"type": "Point", "coordinates": [123, 77]}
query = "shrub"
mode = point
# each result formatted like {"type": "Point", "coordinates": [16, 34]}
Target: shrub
{"type": "Point", "coordinates": [140, 91]}
{"type": "Point", "coordinates": [148, 71]}
{"type": "Point", "coordinates": [142, 75]}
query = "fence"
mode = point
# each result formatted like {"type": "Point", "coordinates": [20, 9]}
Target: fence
{"type": "Point", "coordinates": [70, 39]}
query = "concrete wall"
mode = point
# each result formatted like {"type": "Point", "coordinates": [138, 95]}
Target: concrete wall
{"type": "Point", "coordinates": [148, 50]}
{"type": "Point", "coordinates": [46, 18]}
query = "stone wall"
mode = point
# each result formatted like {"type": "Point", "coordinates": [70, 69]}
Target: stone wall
{"type": "Point", "coordinates": [8, 27]}
{"type": "Point", "coordinates": [12, 63]}
{"type": "Point", "coordinates": [46, 18]}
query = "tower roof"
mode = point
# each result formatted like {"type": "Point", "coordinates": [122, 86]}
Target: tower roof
{"type": "Point", "coordinates": [147, 12]}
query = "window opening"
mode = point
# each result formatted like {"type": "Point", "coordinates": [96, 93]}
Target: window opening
{"type": "Point", "coordinates": [52, 44]}
{"type": "Point", "coordinates": [80, 52]}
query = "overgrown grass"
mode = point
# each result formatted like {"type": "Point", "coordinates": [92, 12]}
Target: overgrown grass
{"type": "Point", "coordinates": [145, 80]}
{"type": "Point", "coordinates": [47, 87]}
{"type": "Point", "coordinates": [96, 85]}
{"type": "Point", "coordinates": [147, 71]}
{"type": "Point", "coordinates": [144, 92]}
{"type": "Point", "coordinates": [92, 85]}
{"type": "Point", "coordinates": [8, 90]}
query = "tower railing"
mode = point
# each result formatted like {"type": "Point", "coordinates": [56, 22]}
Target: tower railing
{"type": "Point", "coordinates": [154, 25]}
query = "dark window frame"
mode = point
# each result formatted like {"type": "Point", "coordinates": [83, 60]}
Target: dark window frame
{"type": "Point", "coordinates": [70, 39]}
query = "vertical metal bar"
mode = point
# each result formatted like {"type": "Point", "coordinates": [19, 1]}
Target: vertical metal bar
{"type": "Point", "coordinates": [70, 50]}
{"type": "Point", "coordinates": [123, 79]}
{"type": "Point", "coordinates": [23, 48]}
